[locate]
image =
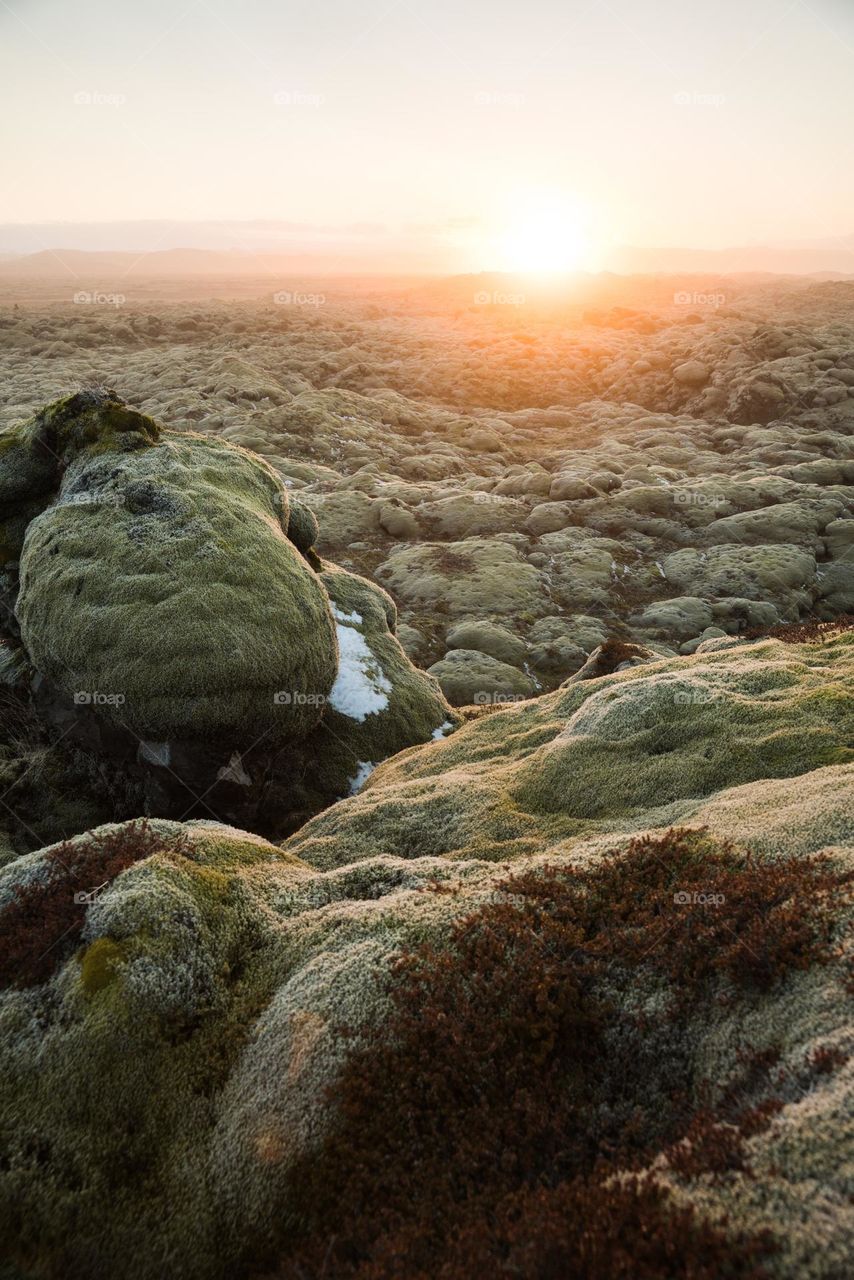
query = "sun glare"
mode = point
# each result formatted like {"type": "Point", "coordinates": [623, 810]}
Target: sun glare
{"type": "Point", "coordinates": [544, 236]}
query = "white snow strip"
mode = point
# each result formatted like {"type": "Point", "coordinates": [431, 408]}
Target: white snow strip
{"type": "Point", "coordinates": [361, 687]}
{"type": "Point", "coordinates": [352, 618]}
{"type": "Point", "coordinates": [363, 771]}
{"type": "Point", "coordinates": [441, 731]}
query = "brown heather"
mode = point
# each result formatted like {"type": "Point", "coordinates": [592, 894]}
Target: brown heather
{"type": "Point", "coordinates": [502, 1122]}
{"type": "Point", "coordinates": [807, 631]}
{"type": "Point", "coordinates": [41, 926]}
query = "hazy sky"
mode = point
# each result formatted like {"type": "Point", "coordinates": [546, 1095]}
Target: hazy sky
{"type": "Point", "coordinates": [670, 122]}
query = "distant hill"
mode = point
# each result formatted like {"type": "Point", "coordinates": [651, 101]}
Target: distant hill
{"type": "Point", "coordinates": [162, 249]}
{"type": "Point", "coordinates": [171, 263]}
{"type": "Point", "coordinates": [813, 257]}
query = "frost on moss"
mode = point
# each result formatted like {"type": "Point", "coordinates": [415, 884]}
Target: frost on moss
{"type": "Point", "coordinates": [196, 1059]}
{"type": "Point", "coordinates": [646, 746]}
{"type": "Point", "coordinates": [141, 1021]}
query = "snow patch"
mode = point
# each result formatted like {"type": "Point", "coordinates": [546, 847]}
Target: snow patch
{"type": "Point", "coordinates": [361, 687]}
{"type": "Point", "coordinates": [441, 731]}
{"type": "Point", "coordinates": [364, 769]}
{"type": "Point", "coordinates": [354, 618]}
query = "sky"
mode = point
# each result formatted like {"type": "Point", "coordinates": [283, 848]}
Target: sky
{"type": "Point", "coordinates": [487, 127]}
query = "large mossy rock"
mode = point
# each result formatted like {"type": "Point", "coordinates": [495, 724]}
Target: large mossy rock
{"type": "Point", "coordinates": [161, 587]}
{"type": "Point", "coordinates": [182, 627]}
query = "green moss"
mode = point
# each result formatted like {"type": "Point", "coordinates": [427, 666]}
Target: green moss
{"type": "Point", "coordinates": [100, 964]}
{"type": "Point", "coordinates": [27, 469]}
{"type": "Point", "coordinates": [161, 580]}
{"type": "Point", "coordinates": [651, 736]}
{"type": "Point", "coordinates": [302, 526]}
{"type": "Point", "coordinates": [87, 418]}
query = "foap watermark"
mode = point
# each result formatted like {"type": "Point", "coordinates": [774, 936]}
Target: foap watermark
{"type": "Point", "coordinates": [495, 298]}
{"type": "Point", "coordinates": [318, 895]}
{"type": "Point", "coordinates": [95, 500]}
{"type": "Point", "coordinates": [298, 698]}
{"type": "Point", "coordinates": [695, 899]}
{"type": "Point", "coordinates": [94, 98]}
{"type": "Point", "coordinates": [287, 298]}
{"type": "Point", "coordinates": [484, 698]}
{"type": "Point", "coordinates": [297, 98]}
{"type": "Point", "coordinates": [695, 298]}
{"type": "Point", "coordinates": [85, 298]}
{"type": "Point", "coordinates": [500, 897]}
{"type": "Point", "coordinates": [695, 697]}
{"type": "Point", "coordinates": [499, 98]}
{"type": "Point", "coordinates": [696, 498]}
{"type": "Point", "coordinates": [84, 897]}
{"type": "Point", "coordinates": [693, 98]}
{"type": "Point", "coordinates": [488, 499]}
{"type": "Point", "coordinates": [87, 698]}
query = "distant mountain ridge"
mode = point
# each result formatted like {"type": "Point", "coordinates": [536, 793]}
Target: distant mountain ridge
{"type": "Point", "coordinates": [812, 257]}
{"type": "Point", "coordinates": [173, 249]}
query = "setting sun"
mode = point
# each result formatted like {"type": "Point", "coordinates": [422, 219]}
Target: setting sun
{"type": "Point", "coordinates": [545, 236]}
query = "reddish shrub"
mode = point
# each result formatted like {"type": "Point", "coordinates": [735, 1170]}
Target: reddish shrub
{"type": "Point", "coordinates": [721, 912]}
{"type": "Point", "coordinates": [593, 1229]}
{"type": "Point", "coordinates": [807, 631]}
{"type": "Point", "coordinates": [481, 1134]}
{"type": "Point", "coordinates": [41, 926]}
{"type": "Point", "coordinates": [713, 1145]}
{"type": "Point", "coordinates": [826, 1059]}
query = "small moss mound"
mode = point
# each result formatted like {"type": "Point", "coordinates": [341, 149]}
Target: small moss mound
{"type": "Point", "coordinates": [537, 1061]}
{"type": "Point", "coordinates": [43, 921]}
{"type": "Point", "coordinates": [303, 529]}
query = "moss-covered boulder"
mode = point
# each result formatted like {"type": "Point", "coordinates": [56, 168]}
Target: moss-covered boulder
{"type": "Point", "coordinates": [182, 629]}
{"type": "Point", "coordinates": [469, 676]}
{"type": "Point", "coordinates": [472, 576]}
{"type": "Point", "coordinates": [160, 584]}
{"type": "Point", "coordinates": [488, 637]}
{"type": "Point", "coordinates": [152, 938]}
{"type": "Point", "coordinates": [782, 575]}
